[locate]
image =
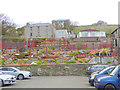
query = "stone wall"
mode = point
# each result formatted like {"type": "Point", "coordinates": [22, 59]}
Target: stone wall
{"type": "Point", "coordinates": [56, 70]}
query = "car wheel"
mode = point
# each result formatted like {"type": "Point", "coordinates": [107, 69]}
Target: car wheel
{"type": "Point", "coordinates": [109, 87]}
{"type": "Point", "coordinates": [20, 77]}
{"type": "Point", "coordinates": [1, 83]}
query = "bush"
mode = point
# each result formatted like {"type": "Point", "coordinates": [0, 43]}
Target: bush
{"type": "Point", "coordinates": [2, 62]}
{"type": "Point", "coordinates": [57, 62]}
{"type": "Point", "coordinates": [20, 62]}
{"type": "Point", "coordinates": [24, 61]}
{"type": "Point", "coordinates": [67, 62]}
{"type": "Point", "coordinates": [73, 61]}
{"type": "Point", "coordinates": [86, 61]}
{"type": "Point", "coordinates": [76, 58]}
{"type": "Point", "coordinates": [88, 52]}
{"type": "Point", "coordinates": [38, 63]}
{"type": "Point", "coordinates": [98, 62]}
{"type": "Point", "coordinates": [43, 38]}
{"type": "Point", "coordinates": [109, 62]}
{"type": "Point", "coordinates": [80, 61]}
{"type": "Point", "coordinates": [66, 50]}
{"type": "Point", "coordinates": [40, 53]}
{"type": "Point", "coordinates": [53, 60]}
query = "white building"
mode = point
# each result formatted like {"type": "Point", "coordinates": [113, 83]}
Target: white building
{"type": "Point", "coordinates": [91, 33]}
{"type": "Point", "coordinates": [63, 33]}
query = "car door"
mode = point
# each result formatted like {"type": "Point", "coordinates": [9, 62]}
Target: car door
{"type": "Point", "coordinates": [4, 70]}
{"type": "Point", "coordinates": [12, 71]}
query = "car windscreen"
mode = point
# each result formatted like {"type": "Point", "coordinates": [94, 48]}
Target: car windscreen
{"type": "Point", "coordinates": [102, 71]}
{"type": "Point", "coordinates": [113, 72]}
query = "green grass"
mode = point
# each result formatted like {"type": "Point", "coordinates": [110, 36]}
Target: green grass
{"type": "Point", "coordinates": [107, 28]}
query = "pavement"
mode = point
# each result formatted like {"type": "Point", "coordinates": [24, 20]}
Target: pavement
{"type": "Point", "coordinates": [52, 82]}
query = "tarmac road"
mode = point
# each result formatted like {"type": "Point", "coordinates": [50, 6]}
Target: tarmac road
{"type": "Point", "coordinates": [52, 82]}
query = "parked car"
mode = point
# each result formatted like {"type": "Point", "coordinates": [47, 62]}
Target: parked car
{"type": "Point", "coordinates": [95, 68]}
{"type": "Point", "coordinates": [104, 72]}
{"type": "Point", "coordinates": [1, 83]}
{"type": "Point", "coordinates": [16, 72]}
{"type": "Point", "coordinates": [6, 79]}
{"type": "Point", "coordinates": [112, 81]}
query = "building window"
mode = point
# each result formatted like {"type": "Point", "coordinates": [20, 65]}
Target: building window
{"type": "Point", "coordinates": [46, 27]}
{"type": "Point", "coordinates": [30, 34]}
{"type": "Point", "coordinates": [38, 28]}
{"type": "Point", "coordinates": [102, 34]}
{"type": "Point", "coordinates": [38, 33]}
{"type": "Point", "coordinates": [93, 34]}
{"type": "Point", "coordinates": [85, 34]}
{"type": "Point", "coordinates": [46, 34]}
{"type": "Point", "coordinates": [104, 41]}
{"type": "Point", "coordinates": [31, 29]}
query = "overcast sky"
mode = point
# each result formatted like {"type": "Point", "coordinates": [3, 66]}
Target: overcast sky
{"type": "Point", "coordinates": [85, 12]}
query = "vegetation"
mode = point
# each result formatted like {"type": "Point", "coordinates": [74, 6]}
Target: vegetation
{"type": "Point", "coordinates": [107, 28]}
{"type": "Point", "coordinates": [80, 61]}
{"type": "Point", "coordinates": [109, 62]}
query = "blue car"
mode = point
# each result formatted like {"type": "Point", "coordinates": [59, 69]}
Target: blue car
{"type": "Point", "coordinates": [94, 75]}
{"type": "Point", "coordinates": [110, 82]}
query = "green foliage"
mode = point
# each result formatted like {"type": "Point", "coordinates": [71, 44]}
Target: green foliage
{"type": "Point", "coordinates": [43, 38]}
{"type": "Point", "coordinates": [87, 61]}
{"type": "Point", "coordinates": [76, 58]}
{"type": "Point", "coordinates": [53, 60]}
{"type": "Point", "coordinates": [80, 61]}
{"type": "Point", "coordinates": [24, 61]}
{"type": "Point", "coordinates": [107, 28]}
{"type": "Point", "coordinates": [109, 62]}
{"type": "Point", "coordinates": [38, 63]}
{"type": "Point", "coordinates": [20, 62]}
{"type": "Point", "coordinates": [98, 62]}
{"type": "Point", "coordinates": [88, 52]}
{"type": "Point", "coordinates": [69, 62]}
{"type": "Point", "coordinates": [66, 50]}
{"type": "Point", "coordinates": [2, 62]}
{"type": "Point", "coordinates": [57, 62]}
{"type": "Point", "coordinates": [40, 53]}
{"type": "Point", "coordinates": [18, 39]}
{"type": "Point", "coordinates": [14, 61]}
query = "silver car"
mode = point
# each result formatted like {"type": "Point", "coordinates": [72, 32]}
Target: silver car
{"type": "Point", "coordinates": [16, 72]}
{"type": "Point", "coordinates": [6, 79]}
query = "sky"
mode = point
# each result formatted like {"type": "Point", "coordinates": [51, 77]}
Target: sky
{"type": "Point", "coordinates": [85, 12]}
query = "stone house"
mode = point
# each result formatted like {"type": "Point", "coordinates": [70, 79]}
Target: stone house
{"type": "Point", "coordinates": [39, 30]}
{"type": "Point", "coordinates": [116, 41]}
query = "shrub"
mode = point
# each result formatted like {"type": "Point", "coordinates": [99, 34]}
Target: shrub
{"type": "Point", "coordinates": [86, 61]}
{"type": "Point", "coordinates": [109, 62]}
{"type": "Point", "coordinates": [67, 62]}
{"type": "Point", "coordinates": [88, 52]}
{"type": "Point", "coordinates": [73, 61]}
{"type": "Point", "coordinates": [57, 62]}
{"type": "Point", "coordinates": [24, 61]}
{"type": "Point", "coordinates": [98, 62]}
{"type": "Point", "coordinates": [66, 50]}
{"type": "Point", "coordinates": [76, 58]}
{"type": "Point", "coordinates": [20, 62]}
{"type": "Point", "coordinates": [80, 61]}
{"type": "Point", "coordinates": [2, 62]}
{"type": "Point", "coordinates": [39, 63]}
{"type": "Point", "coordinates": [53, 60]}
{"type": "Point", "coordinates": [43, 38]}
{"type": "Point", "coordinates": [40, 53]}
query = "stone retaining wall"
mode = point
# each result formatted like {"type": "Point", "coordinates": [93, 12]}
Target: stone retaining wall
{"type": "Point", "coordinates": [56, 70]}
